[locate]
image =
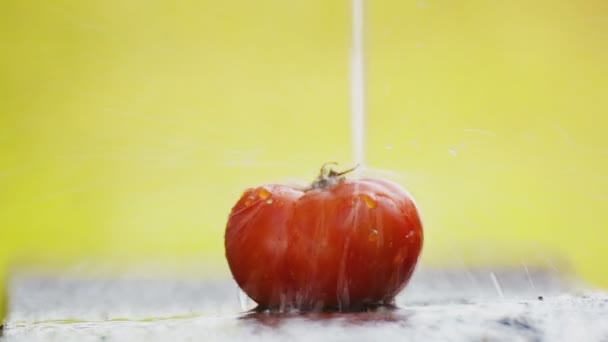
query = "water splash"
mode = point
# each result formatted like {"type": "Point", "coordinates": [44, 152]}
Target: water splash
{"type": "Point", "coordinates": [244, 300]}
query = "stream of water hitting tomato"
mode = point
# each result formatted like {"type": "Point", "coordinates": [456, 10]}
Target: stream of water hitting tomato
{"type": "Point", "coordinates": [357, 83]}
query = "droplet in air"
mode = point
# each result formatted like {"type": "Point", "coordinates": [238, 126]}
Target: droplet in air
{"type": "Point", "coordinates": [368, 200]}
{"type": "Point", "coordinates": [389, 147]}
{"type": "Point", "coordinates": [373, 236]}
{"type": "Point", "coordinates": [452, 152]}
{"type": "Point", "coordinates": [264, 194]}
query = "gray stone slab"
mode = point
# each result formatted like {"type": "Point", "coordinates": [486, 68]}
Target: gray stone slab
{"type": "Point", "coordinates": [438, 305]}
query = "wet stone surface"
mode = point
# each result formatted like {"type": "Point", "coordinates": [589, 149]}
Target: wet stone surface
{"type": "Point", "coordinates": [457, 305]}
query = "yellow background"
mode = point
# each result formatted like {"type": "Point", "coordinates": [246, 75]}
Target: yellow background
{"type": "Point", "coordinates": [129, 128]}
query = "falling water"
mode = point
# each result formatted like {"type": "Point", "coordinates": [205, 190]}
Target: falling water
{"type": "Point", "coordinates": [357, 83]}
{"type": "Point", "coordinates": [497, 285]}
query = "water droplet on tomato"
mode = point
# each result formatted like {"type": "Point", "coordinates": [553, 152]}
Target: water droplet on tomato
{"type": "Point", "coordinates": [269, 201]}
{"type": "Point", "coordinates": [368, 200]}
{"type": "Point", "coordinates": [249, 201]}
{"type": "Point", "coordinates": [264, 194]}
{"type": "Point", "coordinates": [410, 234]}
{"type": "Point", "coordinates": [398, 260]}
{"type": "Point", "coordinates": [373, 236]}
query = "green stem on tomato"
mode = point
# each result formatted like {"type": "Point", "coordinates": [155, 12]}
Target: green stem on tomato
{"type": "Point", "coordinates": [328, 177]}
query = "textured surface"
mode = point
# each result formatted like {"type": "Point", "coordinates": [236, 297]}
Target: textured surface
{"type": "Point", "coordinates": [461, 305]}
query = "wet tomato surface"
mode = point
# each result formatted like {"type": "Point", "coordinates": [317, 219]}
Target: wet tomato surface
{"type": "Point", "coordinates": [338, 244]}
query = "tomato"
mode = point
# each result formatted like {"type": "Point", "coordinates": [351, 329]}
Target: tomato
{"type": "Point", "coordinates": [338, 244]}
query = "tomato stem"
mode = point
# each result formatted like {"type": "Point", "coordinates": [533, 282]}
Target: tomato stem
{"type": "Point", "coordinates": [328, 177]}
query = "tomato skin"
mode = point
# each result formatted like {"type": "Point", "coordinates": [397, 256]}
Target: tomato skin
{"type": "Point", "coordinates": [344, 246]}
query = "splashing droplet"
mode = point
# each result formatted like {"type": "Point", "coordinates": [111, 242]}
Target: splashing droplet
{"type": "Point", "coordinates": [244, 300]}
{"type": "Point", "coordinates": [264, 194]}
{"type": "Point", "coordinates": [283, 305]}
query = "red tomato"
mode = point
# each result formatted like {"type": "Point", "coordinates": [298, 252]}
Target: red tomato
{"type": "Point", "coordinates": [342, 244]}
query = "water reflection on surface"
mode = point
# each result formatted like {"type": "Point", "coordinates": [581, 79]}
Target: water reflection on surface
{"type": "Point", "coordinates": [380, 314]}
